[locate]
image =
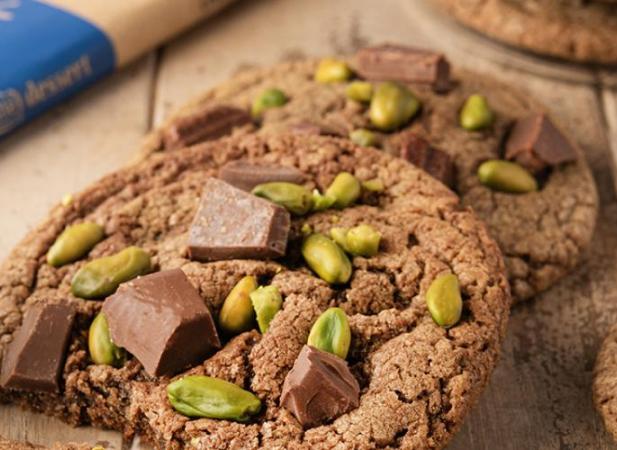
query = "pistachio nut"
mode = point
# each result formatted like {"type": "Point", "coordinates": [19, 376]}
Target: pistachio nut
{"type": "Point", "coordinates": [476, 113]}
{"type": "Point", "coordinates": [362, 240]}
{"type": "Point", "coordinates": [339, 235]}
{"type": "Point", "coordinates": [360, 91]}
{"type": "Point", "coordinates": [306, 229]}
{"type": "Point", "coordinates": [392, 106]}
{"type": "Point", "coordinates": [444, 301]}
{"type": "Point", "coordinates": [267, 301]}
{"type": "Point", "coordinates": [294, 197]}
{"type": "Point", "coordinates": [345, 189]}
{"type": "Point", "coordinates": [322, 202]}
{"type": "Point", "coordinates": [270, 98]}
{"type": "Point", "coordinates": [74, 242]}
{"type": "Point", "coordinates": [326, 259]}
{"type": "Point", "coordinates": [332, 70]}
{"type": "Point", "coordinates": [237, 313]}
{"type": "Point", "coordinates": [362, 137]}
{"type": "Point", "coordinates": [506, 176]}
{"type": "Point", "coordinates": [331, 333]}
{"type": "Point", "coordinates": [373, 185]}
{"type": "Point", "coordinates": [67, 199]}
{"type": "Point", "coordinates": [101, 277]}
{"type": "Point", "coordinates": [201, 396]}
{"type": "Point", "coordinates": [101, 347]}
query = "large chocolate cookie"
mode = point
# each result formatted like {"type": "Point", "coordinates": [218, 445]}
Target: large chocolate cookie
{"type": "Point", "coordinates": [577, 30]}
{"type": "Point", "coordinates": [605, 382]}
{"type": "Point", "coordinates": [541, 234]}
{"type": "Point", "coordinates": [417, 379]}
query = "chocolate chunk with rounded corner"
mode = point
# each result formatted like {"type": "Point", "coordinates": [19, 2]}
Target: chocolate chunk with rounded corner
{"type": "Point", "coordinates": [419, 152]}
{"type": "Point", "coordinates": [388, 62]}
{"type": "Point", "coordinates": [162, 320]}
{"type": "Point", "coordinates": [246, 176]}
{"type": "Point", "coordinates": [320, 387]}
{"type": "Point", "coordinates": [34, 359]}
{"type": "Point", "coordinates": [210, 122]}
{"type": "Point", "coordinates": [535, 143]}
{"type": "Point", "coordinates": [232, 224]}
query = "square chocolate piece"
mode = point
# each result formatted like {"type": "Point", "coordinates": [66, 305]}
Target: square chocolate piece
{"type": "Point", "coordinates": [419, 152]}
{"type": "Point", "coordinates": [210, 122]}
{"type": "Point", "coordinates": [535, 143]}
{"type": "Point", "coordinates": [232, 224]}
{"type": "Point", "coordinates": [162, 320]}
{"type": "Point", "coordinates": [246, 176]}
{"type": "Point", "coordinates": [34, 359]}
{"type": "Point", "coordinates": [319, 388]}
{"type": "Point", "coordinates": [389, 62]}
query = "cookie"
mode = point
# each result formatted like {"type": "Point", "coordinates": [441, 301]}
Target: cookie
{"type": "Point", "coordinates": [416, 380]}
{"type": "Point", "coordinates": [575, 30]}
{"type": "Point", "coordinates": [6, 444]}
{"type": "Point", "coordinates": [604, 382]}
{"type": "Point", "coordinates": [541, 234]}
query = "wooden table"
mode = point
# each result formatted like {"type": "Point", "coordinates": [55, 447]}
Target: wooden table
{"type": "Point", "coordinates": [540, 395]}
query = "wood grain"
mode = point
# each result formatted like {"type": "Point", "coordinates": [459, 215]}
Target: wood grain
{"type": "Point", "coordinates": [540, 395]}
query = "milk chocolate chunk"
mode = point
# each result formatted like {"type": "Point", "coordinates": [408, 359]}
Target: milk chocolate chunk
{"type": "Point", "coordinates": [210, 122]}
{"type": "Point", "coordinates": [536, 143]}
{"type": "Point", "coordinates": [419, 152]}
{"type": "Point", "coordinates": [246, 176]}
{"type": "Point", "coordinates": [320, 387]}
{"type": "Point", "coordinates": [34, 359]}
{"type": "Point", "coordinates": [162, 320]}
{"type": "Point", "coordinates": [405, 64]}
{"type": "Point", "coordinates": [233, 224]}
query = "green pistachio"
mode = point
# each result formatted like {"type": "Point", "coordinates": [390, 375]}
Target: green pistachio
{"type": "Point", "coordinates": [201, 396]}
{"type": "Point", "coordinates": [101, 277]}
{"type": "Point", "coordinates": [331, 333]}
{"type": "Point", "coordinates": [322, 202]}
{"type": "Point", "coordinates": [237, 313]}
{"type": "Point", "coordinates": [360, 91]}
{"type": "Point", "coordinates": [267, 301]}
{"type": "Point", "coordinates": [74, 242]}
{"type": "Point", "coordinates": [362, 240]}
{"type": "Point", "coordinates": [444, 301]}
{"type": "Point", "coordinates": [374, 185]}
{"type": "Point", "coordinates": [346, 189]}
{"type": "Point", "coordinates": [362, 137]}
{"type": "Point", "coordinates": [326, 259]}
{"type": "Point", "coordinates": [270, 98]}
{"type": "Point", "coordinates": [506, 176]}
{"type": "Point", "coordinates": [339, 235]}
{"type": "Point", "coordinates": [294, 197]}
{"type": "Point", "coordinates": [476, 113]}
{"type": "Point", "coordinates": [392, 106]}
{"type": "Point", "coordinates": [101, 347]}
{"type": "Point", "coordinates": [332, 70]}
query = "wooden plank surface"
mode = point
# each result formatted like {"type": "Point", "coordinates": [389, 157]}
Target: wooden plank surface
{"type": "Point", "coordinates": [540, 395]}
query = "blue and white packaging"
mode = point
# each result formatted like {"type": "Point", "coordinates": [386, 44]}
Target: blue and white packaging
{"type": "Point", "coordinates": [52, 49]}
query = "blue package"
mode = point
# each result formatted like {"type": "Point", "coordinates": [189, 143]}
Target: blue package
{"type": "Point", "coordinates": [46, 55]}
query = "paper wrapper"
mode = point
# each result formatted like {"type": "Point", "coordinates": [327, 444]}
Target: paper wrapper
{"type": "Point", "coordinates": [55, 48]}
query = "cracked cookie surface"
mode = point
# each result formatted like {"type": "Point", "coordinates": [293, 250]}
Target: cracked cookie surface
{"type": "Point", "coordinates": [575, 30]}
{"type": "Point", "coordinates": [417, 379]}
{"type": "Point", "coordinates": [605, 382]}
{"type": "Point", "coordinates": [541, 234]}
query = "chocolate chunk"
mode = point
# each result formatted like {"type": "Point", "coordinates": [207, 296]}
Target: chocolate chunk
{"type": "Point", "coordinates": [162, 320]}
{"type": "Point", "coordinates": [34, 359]}
{"type": "Point", "coordinates": [211, 122]}
{"type": "Point", "coordinates": [231, 224]}
{"type": "Point", "coordinates": [320, 387]}
{"type": "Point", "coordinates": [246, 176]}
{"type": "Point", "coordinates": [405, 64]}
{"type": "Point", "coordinates": [536, 143]}
{"type": "Point", "coordinates": [420, 153]}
